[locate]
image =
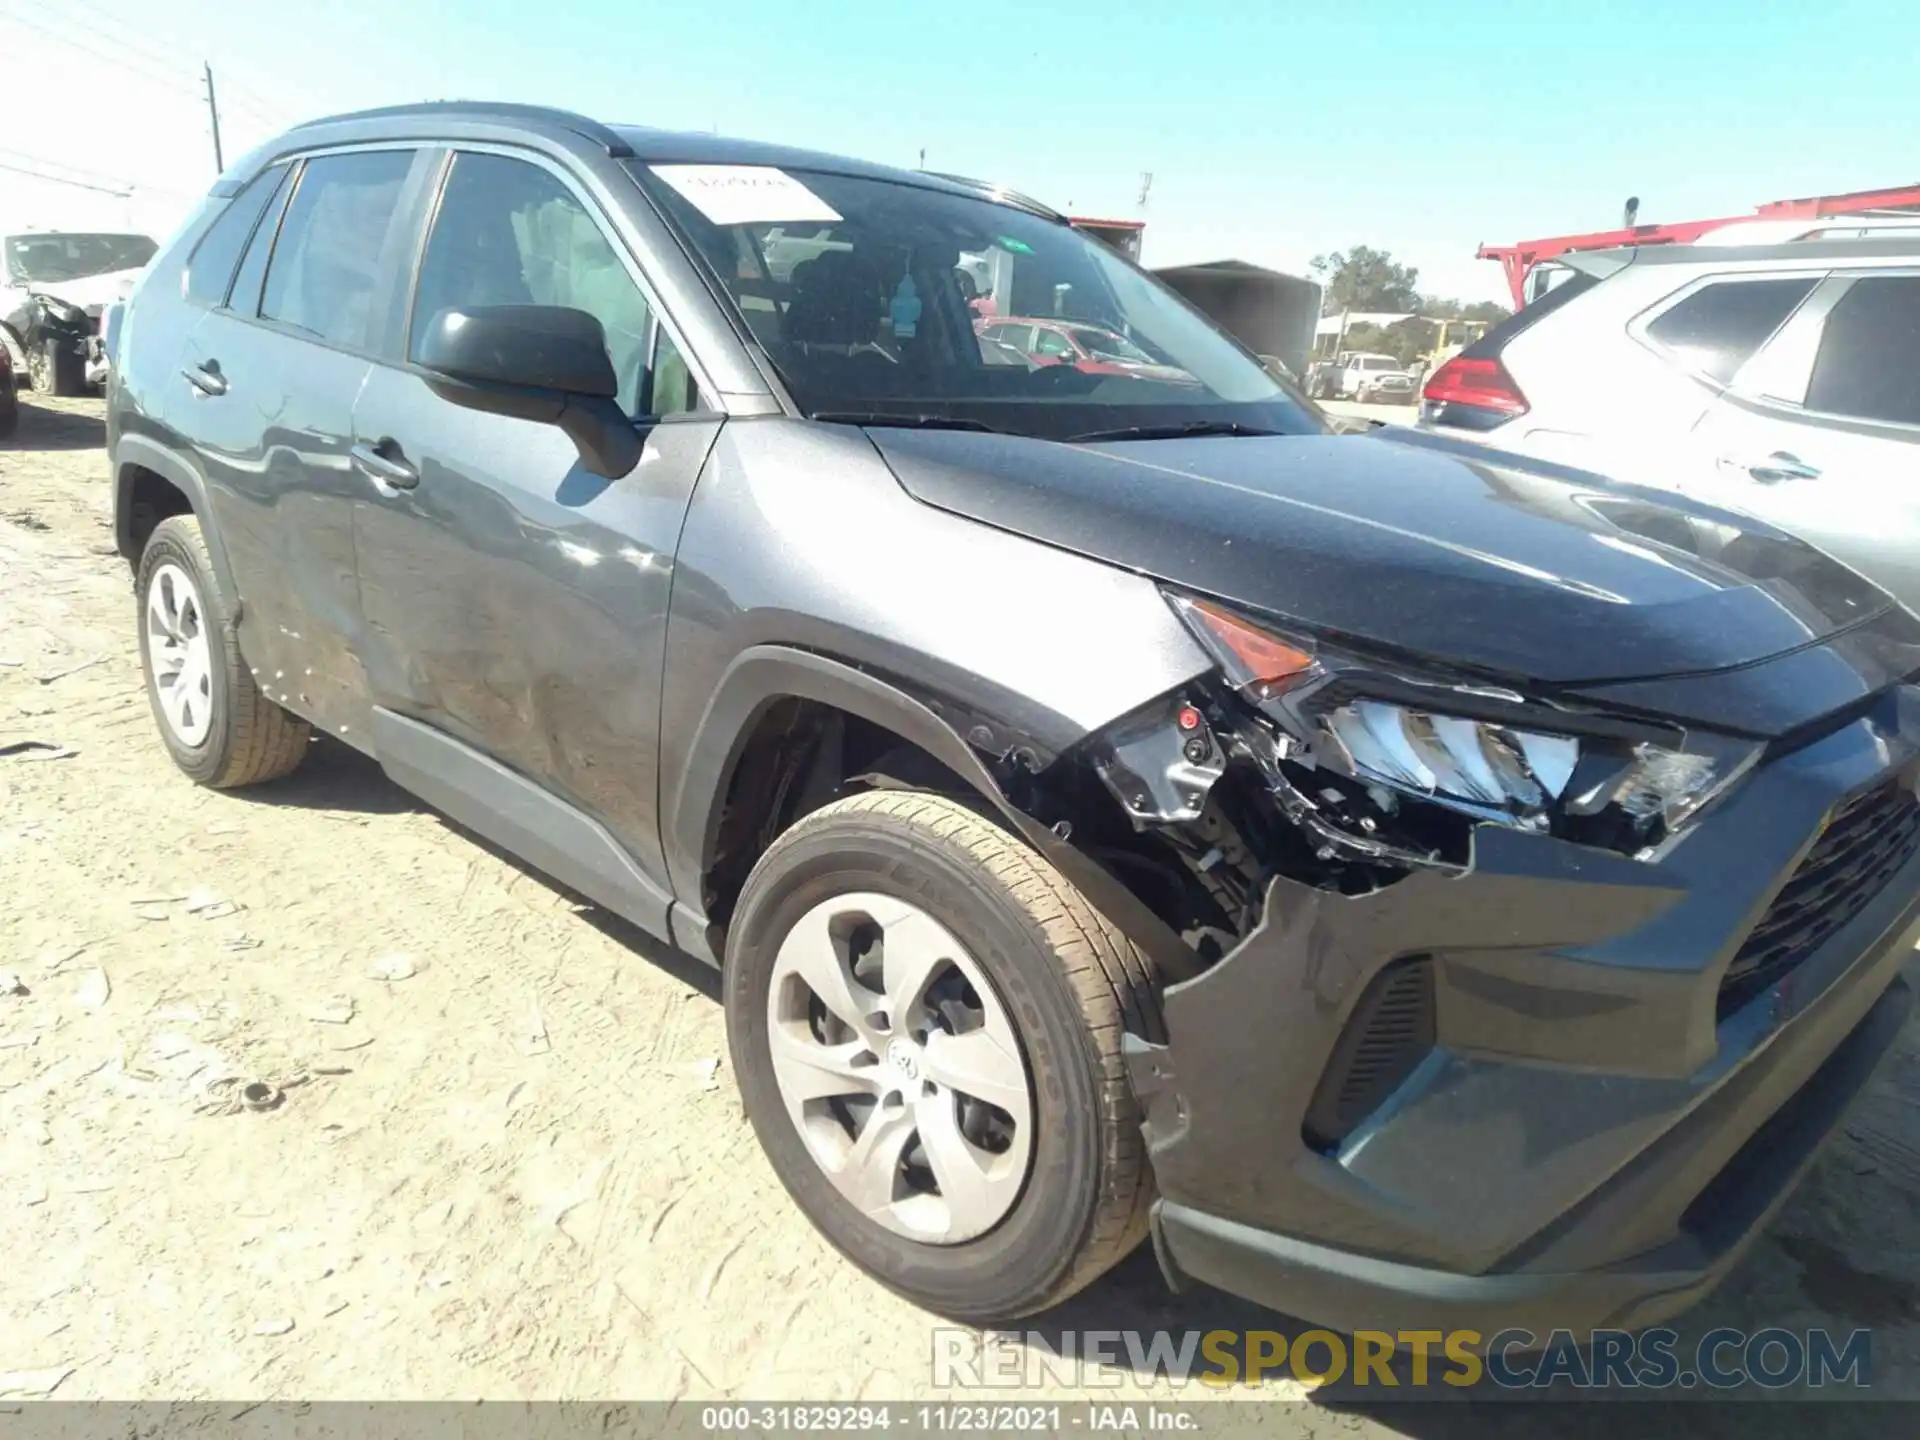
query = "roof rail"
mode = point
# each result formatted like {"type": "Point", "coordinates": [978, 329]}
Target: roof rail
{"type": "Point", "coordinates": [593, 130]}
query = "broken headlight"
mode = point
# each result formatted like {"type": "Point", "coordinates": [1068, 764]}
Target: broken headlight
{"type": "Point", "coordinates": [1487, 753]}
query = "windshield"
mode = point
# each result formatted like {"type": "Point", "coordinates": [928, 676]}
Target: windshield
{"type": "Point", "coordinates": [1379, 362]}
{"type": "Point", "coordinates": [876, 297]}
{"type": "Point", "coordinates": [49, 259]}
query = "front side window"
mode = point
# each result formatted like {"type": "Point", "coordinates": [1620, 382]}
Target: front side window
{"type": "Point", "coordinates": [325, 267]}
{"type": "Point", "coordinates": [884, 297]}
{"type": "Point", "coordinates": [510, 233]}
{"type": "Point", "coordinates": [1868, 365]}
{"type": "Point", "coordinates": [1717, 328]}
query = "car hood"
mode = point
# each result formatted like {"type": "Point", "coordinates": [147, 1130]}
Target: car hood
{"type": "Point", "coordinates": [91, 292]}
{"type": "Point", "coordinates": [1411, 543]}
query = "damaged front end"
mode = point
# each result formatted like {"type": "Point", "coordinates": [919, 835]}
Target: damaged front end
{"type": "Point", "coordinates": [60, 339]}
{"type": "Point", "coordinates": [1347, 774]}
{"type": "Point", "coordinates": [1508, 1010]}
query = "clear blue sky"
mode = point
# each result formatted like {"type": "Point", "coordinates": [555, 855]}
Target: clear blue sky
{"type": "Point", "coordinates": [1273, 131]}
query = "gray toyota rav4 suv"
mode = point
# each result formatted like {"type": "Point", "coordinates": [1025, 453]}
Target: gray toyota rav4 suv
{"type": "Point", "coordinates": [1416, 886]}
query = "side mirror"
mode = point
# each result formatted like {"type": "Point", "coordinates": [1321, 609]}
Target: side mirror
{"type": "Point", "coordinates": [544, 363]}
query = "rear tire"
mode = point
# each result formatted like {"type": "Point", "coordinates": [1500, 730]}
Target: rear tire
{"type": "Point", "coordinates": [214, 721]}
{"type": "Point", "coordinates": [1014, 935]}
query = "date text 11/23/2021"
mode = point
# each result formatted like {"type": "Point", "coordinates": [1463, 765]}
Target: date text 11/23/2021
{"type": "Point", "coordinates": [966, 1418]}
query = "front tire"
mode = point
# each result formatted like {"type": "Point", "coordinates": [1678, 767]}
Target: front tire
{"type": "Point", "coordinates": [213, 719]}
{"type": "Point", "coordinates": [926, 1021]}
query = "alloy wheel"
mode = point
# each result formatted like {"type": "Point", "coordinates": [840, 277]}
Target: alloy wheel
{"type": "Point", "coordinates": [899, 1066]}
{"type": "Point", "coordinates": [179, 656]}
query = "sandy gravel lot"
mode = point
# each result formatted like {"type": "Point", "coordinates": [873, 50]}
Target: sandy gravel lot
{"type": "Point", "coordinates": [509, 1161]}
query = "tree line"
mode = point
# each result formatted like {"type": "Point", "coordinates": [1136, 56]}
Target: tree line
{"type": "Point", "coordinates": [1362, 279]}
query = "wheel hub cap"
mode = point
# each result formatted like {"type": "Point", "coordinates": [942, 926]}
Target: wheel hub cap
{"type": "Point", "coordinates": [904, 1056]}
{"type": "Point", "coordinates": [900, 1068]}
{"type": "Point", "coordinates": [179, 655]}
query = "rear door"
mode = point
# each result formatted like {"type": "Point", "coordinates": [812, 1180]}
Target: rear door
{"type": "Point", "coordinates": [275, 371]}
{"type": "Point", "coordinates": [515, 601]}
{"type": "Point", "coordinates": [1820, 433]}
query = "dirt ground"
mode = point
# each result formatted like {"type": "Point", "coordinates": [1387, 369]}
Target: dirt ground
{"type": "Point", "coordinates": [521, 1171]}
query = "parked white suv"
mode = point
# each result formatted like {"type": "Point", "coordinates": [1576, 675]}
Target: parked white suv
{"type": "Point", "coordinates": [1369, 378]}
{"type": "Point", "coordinates": [1783, 380]}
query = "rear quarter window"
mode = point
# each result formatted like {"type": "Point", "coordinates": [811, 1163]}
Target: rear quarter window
{"type": "Point", "coordinates": [1496, 339]}
{"type": "Point", "coordinates": [1717, 328]}
{"type": "Point", "coordinates": [210, 271]}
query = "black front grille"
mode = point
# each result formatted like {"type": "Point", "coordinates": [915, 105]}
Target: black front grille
{"type": "Point", "coordinates": [1867, 839]}
{"type": "Point", "coordinates": [1391, 1031]}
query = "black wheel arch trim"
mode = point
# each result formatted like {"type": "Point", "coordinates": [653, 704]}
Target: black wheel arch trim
{"type": "Point", "coordinates": [139, 451]}
{"type": "Point", "coordinates": [765, 674]}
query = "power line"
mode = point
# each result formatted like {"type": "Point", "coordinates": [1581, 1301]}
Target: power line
{"type": "Point", "coordinates": [120, 36]}
{"type": "Point", "coordinates": [23, 156]}
{"type": "Point", "coordinates": [251, 99]}
{"type": "Point", "coordinates": [62, 180]}
{"type": "Point", "coordinates": [248, 97]}
{"type": "Point", "coordinates": [126, 65]}
{"type": "Point", "coordinates": [18, 161]}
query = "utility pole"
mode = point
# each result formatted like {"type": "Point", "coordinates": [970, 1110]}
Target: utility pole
{"type": "Point", "coordinates": [1146, 184]}
{"type": "Point", "coordinates": [213, 113]}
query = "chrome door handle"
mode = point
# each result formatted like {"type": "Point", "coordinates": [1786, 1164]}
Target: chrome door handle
{"type": "Point", "coordinates": [384, 469]}
{"type": "Point", "coordinates": [1774, 468]}
{"type": "Point", "coordinates": [206, 379]}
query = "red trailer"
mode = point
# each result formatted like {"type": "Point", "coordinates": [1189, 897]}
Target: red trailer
{"type": "Point", "coordinates": [1519, 260]}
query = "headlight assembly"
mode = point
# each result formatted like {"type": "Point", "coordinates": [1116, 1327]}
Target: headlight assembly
{"type": "Point", "coordinates": [1516, 762]}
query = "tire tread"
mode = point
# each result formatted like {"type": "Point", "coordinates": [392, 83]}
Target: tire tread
{"type": "Point", "coordinates": [266, 741]}
{"type": "Point", "coordinates": [1111, 980]}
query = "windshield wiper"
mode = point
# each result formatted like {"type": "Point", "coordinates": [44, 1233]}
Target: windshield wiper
{"type": "Point", "coordinates": [1182, 431]}
{"type": "Point", "coordinates": [899, 422]}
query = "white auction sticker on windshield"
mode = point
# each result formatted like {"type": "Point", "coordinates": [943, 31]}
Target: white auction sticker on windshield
{"type": "Point", "coordinates": [745, 194]}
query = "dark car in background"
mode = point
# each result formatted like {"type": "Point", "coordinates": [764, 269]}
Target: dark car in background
{"type": "Point", "coordinates": [55, 285]}
{"type": "Point", "coordinates": [1420, 886]}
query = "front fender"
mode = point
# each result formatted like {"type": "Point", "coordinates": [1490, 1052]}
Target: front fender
{"type": "Point", "coordinates": [765, 674]}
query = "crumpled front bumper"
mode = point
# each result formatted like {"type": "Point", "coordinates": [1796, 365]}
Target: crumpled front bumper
{"type": "Point", "coordinates": [1587, 1142]}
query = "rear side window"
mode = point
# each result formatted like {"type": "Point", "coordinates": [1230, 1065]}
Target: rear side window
{"type": "Point", "coordinates": [326, 263]}
{"type": "Point", "coordinates": [210, 271]}
{"type": "Point", "coordinates": [1869, 360]}
{"type": "Point", "coordinates": [1717, 328]}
